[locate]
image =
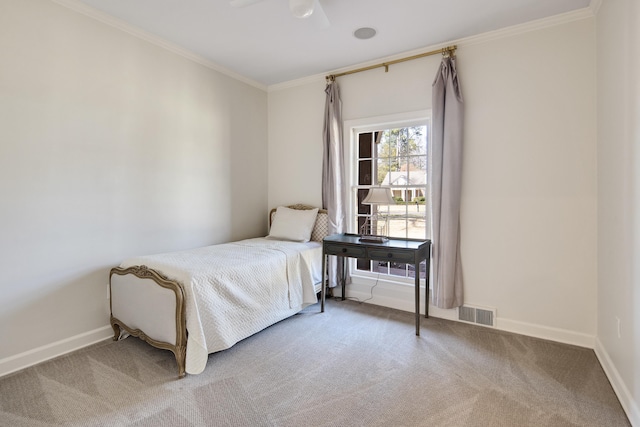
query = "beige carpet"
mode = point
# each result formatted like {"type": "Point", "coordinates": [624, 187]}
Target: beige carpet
{"type": "Point", "coordinates": [355, 365]}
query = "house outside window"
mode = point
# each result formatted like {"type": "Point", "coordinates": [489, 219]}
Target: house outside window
{"type": "Point", "coordinates": [395, 156]}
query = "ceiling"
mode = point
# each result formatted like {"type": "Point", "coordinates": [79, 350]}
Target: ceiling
{"type": "Point", "coordinates": [264, 43]}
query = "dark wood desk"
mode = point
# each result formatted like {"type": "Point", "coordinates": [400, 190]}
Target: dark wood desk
{"type": "Point", "coordinates": [409, 251]}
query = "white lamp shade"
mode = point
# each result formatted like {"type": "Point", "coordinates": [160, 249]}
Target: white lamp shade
{"type": "Point", "coordinates": [301, 8]}
{"type": "Point", "coordinates": [379, 196]}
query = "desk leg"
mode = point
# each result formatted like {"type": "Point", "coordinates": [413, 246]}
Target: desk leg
{"type": "Point", "coordinates": [417, 274]}
{"type": "Point", "coordinates": [324, 285]}
{"type": "Point", "coordinates": [426, 283]}
{"type": "Point", "coordinates": [344, 277]}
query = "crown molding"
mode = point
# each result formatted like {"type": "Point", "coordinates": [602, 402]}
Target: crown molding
{"type": "Point", "coordinates": [316, 78]}
{"type": "Point", "coordinates": [539, 24]}
{"type": "Point", "coordinates": [78, 6]}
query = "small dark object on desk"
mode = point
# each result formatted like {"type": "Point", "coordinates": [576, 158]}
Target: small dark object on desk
{"type": "Point", "coordinates": [373, 239]}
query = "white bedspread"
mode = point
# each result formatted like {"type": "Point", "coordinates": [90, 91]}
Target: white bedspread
{"type": "Point", "coordinates": [234, 290]}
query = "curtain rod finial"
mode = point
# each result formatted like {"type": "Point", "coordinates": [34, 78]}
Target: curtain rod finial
{"type": "Point", "coordinates": [449, 51]}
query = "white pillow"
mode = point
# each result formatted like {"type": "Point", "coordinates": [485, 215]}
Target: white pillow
{"type": "Point", "coordinates": [293, 224]}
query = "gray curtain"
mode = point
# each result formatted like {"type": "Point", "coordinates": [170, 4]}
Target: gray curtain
{"type": "Point", "coordinates": [447, 184]}
{"type": "Point", "coordinates": [333, 183]}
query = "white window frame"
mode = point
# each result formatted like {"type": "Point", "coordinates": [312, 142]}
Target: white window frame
{"type": "Point", "coordinates": [351, 129]}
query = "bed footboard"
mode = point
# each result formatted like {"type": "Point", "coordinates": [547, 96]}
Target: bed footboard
{"type": "Point", "coordinates": [147, 305]}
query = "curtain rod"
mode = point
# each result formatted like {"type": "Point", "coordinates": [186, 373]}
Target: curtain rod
{"type": "Point", "coordinates": [444, 51]}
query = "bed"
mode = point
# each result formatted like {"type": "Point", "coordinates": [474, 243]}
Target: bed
{"type": "Point", "coordinates": [205, 300]}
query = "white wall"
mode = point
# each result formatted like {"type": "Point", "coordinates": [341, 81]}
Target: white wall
{"type": "Point", "coordinates": [110, 146]}
{"type": "Point", "coordinates": [295, 145]}
{"type": "Point", "coordinates": [529, 191]}
{"type": "Point", "coordinates": [618, 122]}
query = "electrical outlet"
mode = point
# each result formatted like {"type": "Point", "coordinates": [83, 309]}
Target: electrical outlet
{"type": "Point", "coordinates": [618, 326]}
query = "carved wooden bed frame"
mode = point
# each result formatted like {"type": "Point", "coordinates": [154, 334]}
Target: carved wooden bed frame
{"type": "Point", "coordinates": [179, 349]}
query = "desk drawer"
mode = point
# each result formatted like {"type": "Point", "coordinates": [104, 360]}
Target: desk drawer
{"type": "Point", "coordinates": [342, 250]}
{"type": "Point", "coordinates": [383, 254]}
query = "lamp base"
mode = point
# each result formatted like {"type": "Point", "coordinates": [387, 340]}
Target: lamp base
{"type": "Point", "coordinates": [373, 239]}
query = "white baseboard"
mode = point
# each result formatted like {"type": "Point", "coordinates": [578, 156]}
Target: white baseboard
{"type": "Point", "coordinates": [545, 332]}
{"type": "Point", "coordinates": [401, 297]}
{"type": "Point", "coordinates": [50, 351]}
{"type": "Point", "coordinates": [629, 405]}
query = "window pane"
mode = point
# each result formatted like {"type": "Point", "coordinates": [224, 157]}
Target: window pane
{"type": "Point", "coordinates": [383, 167]}
{"type": "Point", "coordinates": [397, 227]}
{"type": "Point", "coordinates": [363, 264]}
{"type": "Point", "coordinates": [365, 141]}
{"type": "Point", "coordinates": [416, 227]}
{"type": "Point", "coordinates": [397, 269]}
{"type": "Point", "coordinates": [412, 273]}
{"type": "Point", "coordinates": [380, 267]}
{"type": "Point", "coordinates": [365, 172]}
{"type": "Point", "coordinates": [362, 208]}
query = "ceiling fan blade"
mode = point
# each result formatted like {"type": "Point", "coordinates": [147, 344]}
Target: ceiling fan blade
{"type": "Point", "coordinates": [318, 16]}
{"type": "Point", "coordinates": [242, 3]}
{"type": "Point", "coordinates": [299, 8]}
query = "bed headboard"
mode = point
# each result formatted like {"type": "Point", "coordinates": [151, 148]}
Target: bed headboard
{"type": "Point", "coordinates": [320, 228]}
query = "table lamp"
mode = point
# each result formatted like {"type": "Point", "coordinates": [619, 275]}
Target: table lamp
{"type": "Point", "coordinates": [376, 196]}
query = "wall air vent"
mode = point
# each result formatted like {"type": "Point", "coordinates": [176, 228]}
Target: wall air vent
{"type": "Point", "coordinates": [481, 316]}
{"type": "Point", "coordinates": [467, 314]}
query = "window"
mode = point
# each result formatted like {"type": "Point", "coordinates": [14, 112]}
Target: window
{"type": "Point", "coordinates": [395, 156]}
